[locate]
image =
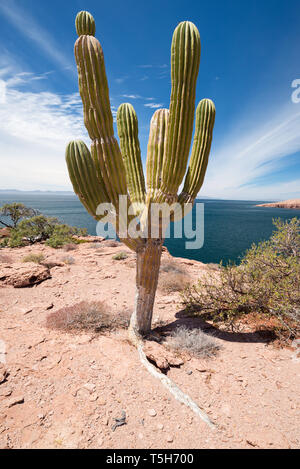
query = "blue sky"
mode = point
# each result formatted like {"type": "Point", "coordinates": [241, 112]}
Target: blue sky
{"type": "Point", "coordinates": [250, 57]}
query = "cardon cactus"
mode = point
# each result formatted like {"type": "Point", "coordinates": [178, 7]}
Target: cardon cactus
{"type": "Point", "coordinates": [110, 170]}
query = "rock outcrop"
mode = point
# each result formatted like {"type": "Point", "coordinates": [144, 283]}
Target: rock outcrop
{"type": "Point", "coordinates": [23, 275]}
{"type": "Point", "coordinates": [292, 203]}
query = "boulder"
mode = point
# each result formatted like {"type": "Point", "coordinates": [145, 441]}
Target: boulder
{"type": "Point", "coordinates": [24, 275]}
{"type": "Point", "coordinates": [162, 357]}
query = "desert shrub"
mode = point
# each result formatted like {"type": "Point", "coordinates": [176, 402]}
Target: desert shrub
{"type": "Point", "coordinates": [13, 213]}
{"type": "Point", "coordinates": [194, 341]}
{"type": "Point", "coordinates": [111, 243]}
{"type": "Point", "coordinates": [5, 259]}
{"type": "Point", "coordinates": [4, 242]}
{"type": "Point", "coordinates": [267, 282]}
{"type": "Point", "coordinates": [120, 256]}
{"type": "Point", "coordinates": [32, 230]}
{"type": "Point", "coordinates": [64, 234]}
{"type": "Point", "coordinates": [69, 260]}
{"type": "Point", "coordinates": [86, 316]}
{"type": "Point", "coordinates": [172, 281]}
{"type": "Point", "coordinates": [96, 245]}
{"type": "Point", "coordinates": [36, 258]}
{"type": "Point", "coordinates": [171, 266]}
{"type": "Point", "coordinates": [70, 247]}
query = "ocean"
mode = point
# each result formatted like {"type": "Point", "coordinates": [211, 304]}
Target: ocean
{"type": "Point", "coordinates": [230, 226]}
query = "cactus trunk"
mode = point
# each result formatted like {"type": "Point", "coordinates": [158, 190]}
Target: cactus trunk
{"type": "Point", "coordinates": [147, 271]}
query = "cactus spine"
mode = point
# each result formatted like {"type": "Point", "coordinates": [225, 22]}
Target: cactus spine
{"type": "Point", "coordinates": [110, 171]}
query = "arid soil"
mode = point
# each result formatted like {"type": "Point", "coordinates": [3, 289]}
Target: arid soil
{"type": "Point", "coordinates": [292, 203]}
{"type": "Point", "coordinates": [62, 390]}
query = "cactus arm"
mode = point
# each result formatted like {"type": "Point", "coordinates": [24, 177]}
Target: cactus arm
{"type": "Point", "coordinates": [205, 119]}
{"type": "Point", "coordinates": [185, 60]}
{"type": "Point", "coordinates": [89, 188]}
{"type": "Point", "coordinates": [156, 151]}
{"type": "Point", "coordinates": [98, 117]}
{"type": "Point", "coordinates": [127, 125]}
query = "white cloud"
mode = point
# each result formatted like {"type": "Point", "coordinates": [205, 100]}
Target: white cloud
{"type": "Point", "coordinates": [153, 105]}
{"type": "Point", "coordinates": [237, 168]}
{"type": "Point", "coordinates": [131, 96]}
{"type": "Point", "coordinates": [120, 80]}
{"type": "Point", "coordinates": [27, 26]}
{"type": "Point", "coordinates": [35, 129]}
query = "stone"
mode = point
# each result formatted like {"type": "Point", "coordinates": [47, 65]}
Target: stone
{"type": "Point", "coordinates": [24, 275]}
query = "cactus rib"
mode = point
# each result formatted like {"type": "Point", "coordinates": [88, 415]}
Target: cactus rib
{"type": "Point", "coordinates": [127, 125]}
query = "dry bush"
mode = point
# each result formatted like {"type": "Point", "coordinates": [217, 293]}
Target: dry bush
{"type": "Point", "coordinates": [109, 243]}
{"type": "Point", "coordinates": [96, 245]}
{"type": "Point", "coordinates": [36, 258]}
{"type": "Point", "coordinates": [94, 316]}
{"type": "Point", "coordinates": [171, 266]}
{"type": "Point", "coordinates": [6, 259]}
{"type": "Point", "coordinates": [69, 260]}
{"type": "Point", "coordinates": [70, 247]}
{"type": "Point", "coordinates": [173, 282]}
{"type": "Point", "coordinates": [193, 341]}
{"type": "Point", "coordinates": [120, 256]}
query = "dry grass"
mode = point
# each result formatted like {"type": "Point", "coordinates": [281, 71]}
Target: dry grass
{"type": "Point", "coordinates": [5, 259]}
{"type": "Point", "coordinates": [173, 282]}
{"type": "Point", "coordinates": [70, 247]}
{"type": "Point", "coordinates": [69, 260]}
{"type": "Point", "coordinates": [96, 246]}
{"type": "Point", "coordinates": [109, 243]}
{"type": "Point", "coordinates": [120, 256]}
{"type": "Point", "coordinates": [193, 341]}
{"type": "Point", "coordinates": [171, 266]}
{"type": "Point", "coordinates": [94, 316]}
{"type": "Point", "coordinates": [36, 258]}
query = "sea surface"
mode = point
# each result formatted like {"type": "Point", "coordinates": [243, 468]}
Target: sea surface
{"type": "Point", "coordinates": [230, 226]}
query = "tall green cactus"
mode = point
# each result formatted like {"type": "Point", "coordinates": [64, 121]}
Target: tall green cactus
{"type": "Point", "coordinates": [110, 170]}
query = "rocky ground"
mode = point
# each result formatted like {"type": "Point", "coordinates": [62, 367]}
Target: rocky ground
{"type": "Point", "coordinates": [62, 390]}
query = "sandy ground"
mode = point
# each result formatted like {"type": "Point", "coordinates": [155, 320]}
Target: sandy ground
{"type": "Point", "coordinates": [64, 390]}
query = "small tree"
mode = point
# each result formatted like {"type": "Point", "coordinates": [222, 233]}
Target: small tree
{"type": "Point", "coordinates": [37, 228]}
{"type": "Point", "coordinates": [15, 212]}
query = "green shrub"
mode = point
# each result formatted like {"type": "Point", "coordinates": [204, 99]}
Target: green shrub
{"type": "Point", "coordinates": [36, 229]}
{"type": "Point", "coordinates": [120, 256]}
{"type": "Point", "coordinates": [64, 234]}
{"type": "Point", "coordinates": [4, 242]}
{"type": "Point", "coordinates": [266, 282]}
{"type": "Point", "coordinates": [36, 258]}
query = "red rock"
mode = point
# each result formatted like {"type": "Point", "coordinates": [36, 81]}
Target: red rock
{"type": "Point", "coordinates": [24, 275]}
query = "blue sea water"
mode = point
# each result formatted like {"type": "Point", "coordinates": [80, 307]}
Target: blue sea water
{"type": "Point", "coordinates": [230, 226]}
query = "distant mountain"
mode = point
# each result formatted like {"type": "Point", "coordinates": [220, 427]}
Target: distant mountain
{"type": "Point", "coordinates": [13, 191]}
{"type": "Point", "coordinates": [292, 203]}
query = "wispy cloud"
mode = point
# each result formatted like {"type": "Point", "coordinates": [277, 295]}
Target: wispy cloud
{"type": "Point", "coordinates": [121, 80]}
{"type": "Point", "coordinates": [239, 165]}
{"type": "Point", "coordinates": [153, 105]}
{"type": "Point", "coordinates": [136, 96]}
{"type": "Point", "coordinates": [131, 96]}
{"type": "Point", "coordinates": [35, 128]}
{"type": "Point", "coordinates": [27, 26]}
{"type": "Point", "coordinates": [153, 66]}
